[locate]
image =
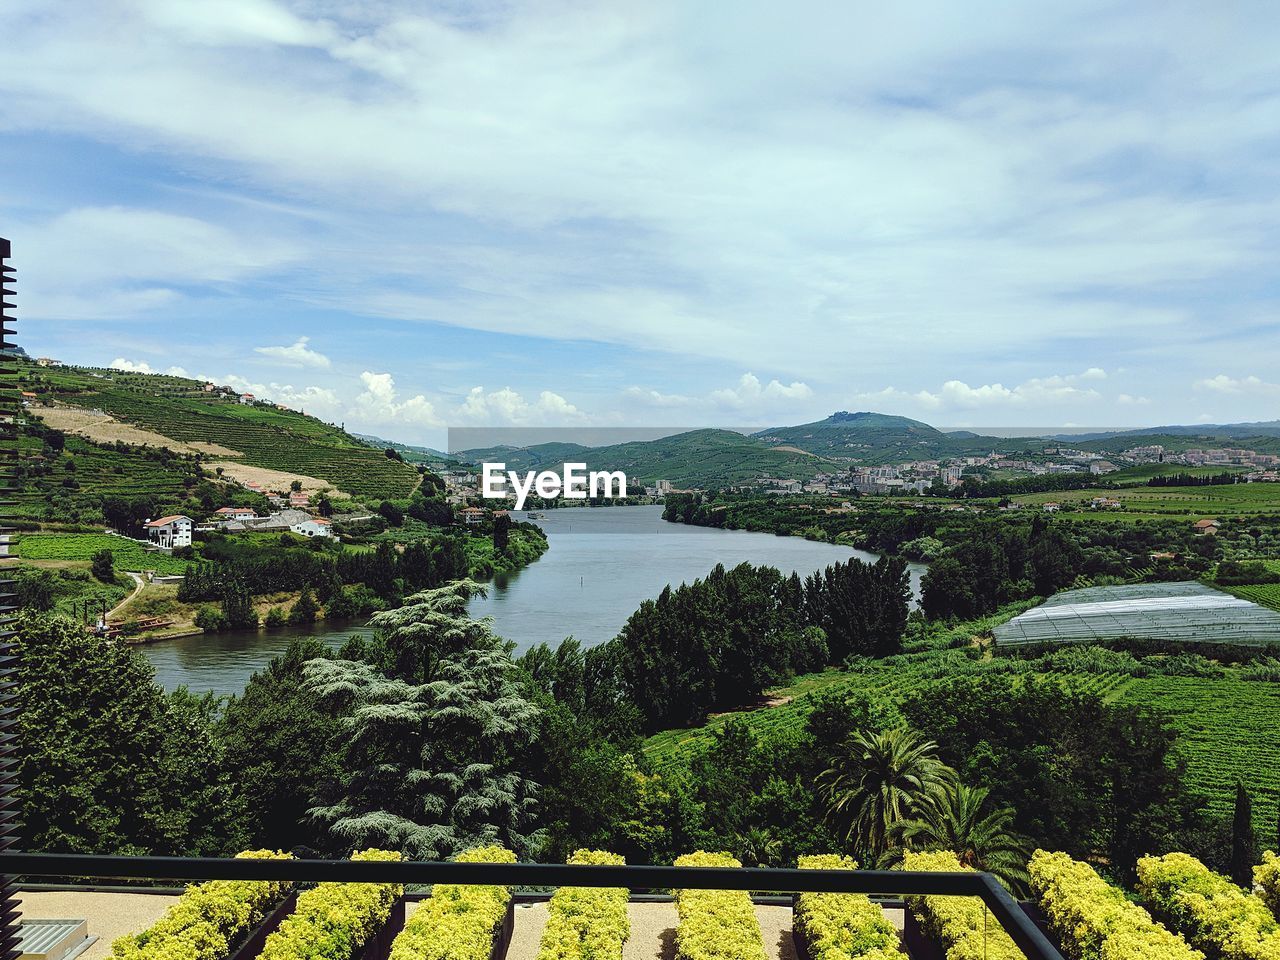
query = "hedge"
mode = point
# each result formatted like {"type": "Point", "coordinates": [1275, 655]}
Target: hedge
{"type": "Point", "coordinates": [1266, 876]}
{"type": "Point", "coordinates": [334, 920]}
{"type": "Point", "coordinates": [837, 926]}
{"type": "Point", "coordinates": [587, 923]}
{"type": "Point", "coordinates": [716, 924]}
{"type": "Point", "coordinates": [208, 920]}
{"type": "Point", "coordinates": [1094, 920]}
{"type": "Point", "coordinates": [1208, 909]}
{"type": "Point", "coordinates": [959, 925]}
{"type": "Point", "coordinates": [457, 922]}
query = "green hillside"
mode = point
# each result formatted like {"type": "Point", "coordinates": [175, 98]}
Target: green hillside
{"type": "Point", "coordinates": [882, 438]}
{"type": "Point", "coordinates": [263, 434]}
{"type": "Point", "coordinates": [699, 458]}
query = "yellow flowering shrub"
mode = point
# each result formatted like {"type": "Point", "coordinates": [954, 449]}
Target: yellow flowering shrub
{"type": "Point", "coordinates": [716, 924]}
{"type": "Point", "coordinates": [458, 921]}
{"type": "Point", "coordinates": [587, 923]}
{"type": "Point", "coordinates": [1208, 909]}
{"type": "Point", "coordinates": [334, 920]}
{"type": "Point", "coordinates": [208, 921]}
{"type": "Point", "coordinates": [959, 925]}
{"type": "Point", "coordinates": [842, 926]}
{"type": "Point", "coordinates": [1094, 920]}
{"type": "Point", "coordinates": [1266, 876]}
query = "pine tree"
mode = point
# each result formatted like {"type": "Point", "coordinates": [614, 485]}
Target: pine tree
{"type": "Point", "coordinates": [437, 724]}
{"type": "Point", "coordinates": [1243, 842]}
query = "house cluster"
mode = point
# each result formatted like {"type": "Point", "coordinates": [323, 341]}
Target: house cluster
{"type": "Point", "coordinates": [177, 530]}
{"type": "Point", "coordinates": [287, 520]}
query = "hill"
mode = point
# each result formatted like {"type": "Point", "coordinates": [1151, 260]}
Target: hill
{"type": "Point", "coordinates": [1218, 431]}
{"type": "Point", "coordinates": [698, 458]}
{"type": "Point", "coordinates": [412, 454]}
{"type": "Point", "coordinates": [881, 438]}
{"type": "Point", "coordinates": [247, 440]}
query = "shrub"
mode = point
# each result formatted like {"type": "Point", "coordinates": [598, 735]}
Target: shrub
{"type": "Point", "coordinates": [1208, 909]}
{"type": "Point", "coordinates": [837, 926]}
{"type": "Point", "coordinates": [208, 920]}
{"type": "Point", "coordinates": [457, 922]}
{"type": "Point", "coordinates": [1093, 920]}
{"type": "Point", "coordinates": [716, 924]}
{"type": "Point", "coordinates": [1267, 877]}
{"type": "Point", "coordinates": [334, 920]}
{"type": "Point", "coordinates": [275, 618]}
{"type": "Point", "coordinates": [957, 924]}
{"type": "Point", "coordinates": [587, 923]}
{"type": "Point", "coordinates": [211, 619]}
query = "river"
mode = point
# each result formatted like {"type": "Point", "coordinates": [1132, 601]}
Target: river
{"type": "Point", "coordinates": [601, 563]}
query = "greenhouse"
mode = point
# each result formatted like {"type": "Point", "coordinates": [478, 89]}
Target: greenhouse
{"type": "Point", "coordinates": [1163, 611]}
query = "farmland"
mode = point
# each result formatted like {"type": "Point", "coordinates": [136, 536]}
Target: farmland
{"type": "Point", "coordinates": [80, 547]}
{"type": "Point", "coordinates": [1226, 723]}
{"type": "Point", "coordinates": [262, 435]}
{"type": "Point", "coordinates": [1143, 502]}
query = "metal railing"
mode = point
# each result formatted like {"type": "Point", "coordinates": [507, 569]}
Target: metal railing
{"type": "Point", "coordinates": [984, 886]}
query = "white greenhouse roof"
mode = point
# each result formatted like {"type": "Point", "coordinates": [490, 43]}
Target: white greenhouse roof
{"type": "Point", "coordinates": [1187, 611]}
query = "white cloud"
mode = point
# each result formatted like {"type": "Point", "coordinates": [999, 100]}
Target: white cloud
{"type": "Point", "coordinates": [750, 393]}
{"type": "Point", "coordinates": [747, 396]}
{"type": "Point", "coordinates": [1130, 400]}
{"type": "Point", "coordinates": [1242, 386]}
{"type": "Point", "coordinates": [506, 407]}
{"type": "Point", "coordinates": [380, 403]}
{"type": "Point", "coordinates": [141, 366]}
{"type": "Point", "coordinates": [297, 354]}
{"type": "Point", "coordinates": [1037, 391]}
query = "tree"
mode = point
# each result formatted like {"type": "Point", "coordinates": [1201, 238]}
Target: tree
{"type": "Point", "coordinates": [102, 566]}
{"type": "Point", "coordinates": [959, 820]}
{"type": "Point", "coordinates": [237, 607]}
{"type": "Point", "coordinates": [34, 588]}
{"type": "Point", "coordinates": [1100, 781]}
{"type": "Point", "coordinates": [501, 532]}
{"type": "Point", "coordinates": [109, 764]}
{"type": "Point", "coordinates": [391, 513]}
{"type": "Point", "coordinates": [304, 610]}
{"type": "Point", "coordinates": [436, 726]}
{"type": "Point", "coordinates": [281, 746]}
{"type": "Point", "coordinates": [324, 507]}
{"type": "Point", "coordinates": [1244, 845]}
{"type": "Point", "coordinates": [295, 486]}
{"type": "Point", "coordinates": [879, 781]}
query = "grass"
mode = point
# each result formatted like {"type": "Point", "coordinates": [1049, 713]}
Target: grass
{"type": "Point", "coordinates": [127, 554]}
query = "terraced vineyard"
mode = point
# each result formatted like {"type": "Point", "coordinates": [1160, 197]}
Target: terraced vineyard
{"type": "Point", "coordinates": [265, 436]}
{"type": "Point", "coordinates": [51, 491]}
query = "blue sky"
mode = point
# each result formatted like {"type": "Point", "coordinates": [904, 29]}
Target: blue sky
{"type": "Point", "coordinates": [410, 216]}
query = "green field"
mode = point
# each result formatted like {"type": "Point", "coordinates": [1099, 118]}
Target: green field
{"type": "Point", "coordinates": [1143, 502]}
{"type": "Point", "coordinates": [1227, 726]}
{"type": "Point", "coordinates": [266, 436]}
{"type": "Point", "coordinates": [128, 554]}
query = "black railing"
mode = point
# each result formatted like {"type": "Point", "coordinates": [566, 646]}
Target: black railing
{"type": "Point", "coordinates": [984, 886]}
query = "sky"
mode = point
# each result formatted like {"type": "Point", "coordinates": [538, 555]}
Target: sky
{"type": "Point", "coordinates": [406, 217]}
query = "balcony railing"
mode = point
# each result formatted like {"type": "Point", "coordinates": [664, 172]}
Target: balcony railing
{"type": "Point", "coordinates": [1004, 909]}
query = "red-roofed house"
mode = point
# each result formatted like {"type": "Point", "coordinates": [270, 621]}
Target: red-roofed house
{"type": "Point", "coordinates": [235, 513]}
{"type": "Point", "coordinates": [170, 532]}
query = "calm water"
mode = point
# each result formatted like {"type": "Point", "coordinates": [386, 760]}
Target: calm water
{"type": "Point", "coordinates": [601, 564]}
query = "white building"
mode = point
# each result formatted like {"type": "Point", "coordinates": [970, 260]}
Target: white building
{"type": "Point", "coordinates": [170, 532]}
{"type": "Point", "coordinates": [313, 527]}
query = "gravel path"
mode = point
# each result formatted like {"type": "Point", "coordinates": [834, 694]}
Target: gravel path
{"type": "Point", "coordinates": [110, 915]}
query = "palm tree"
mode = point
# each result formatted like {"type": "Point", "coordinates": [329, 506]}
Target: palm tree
{"type": "Point", "coordinates": [879, 781]}
{"type": "Point", "coordinates": [955, 820]}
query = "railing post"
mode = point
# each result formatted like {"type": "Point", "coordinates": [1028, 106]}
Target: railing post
{"type": "Point", "coordinates": [10, 413]}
